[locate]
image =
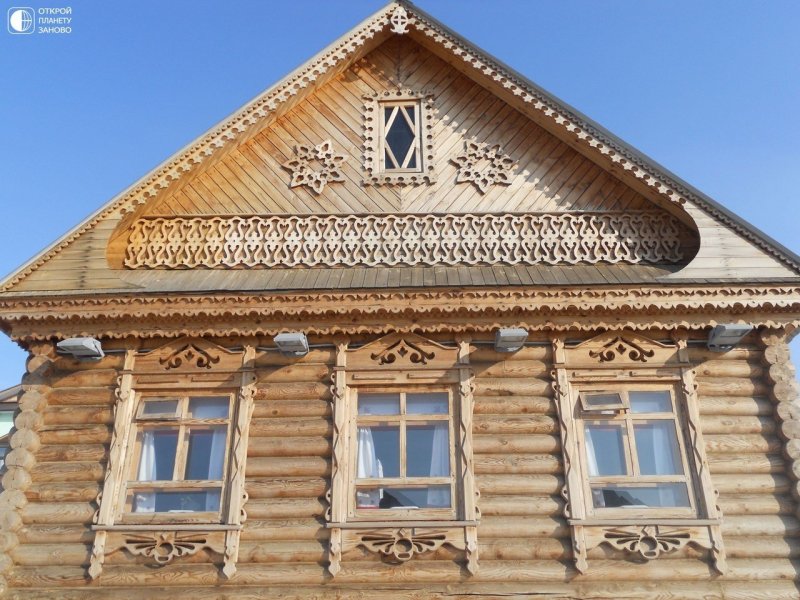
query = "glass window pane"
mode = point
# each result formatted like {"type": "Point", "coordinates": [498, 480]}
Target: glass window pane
{"type": "Point", "coordinates": [432, 496]}
{"type": "Point", "coordinates": [400, 136]}
{"type": "Point", "coordinates": [378, 451]}
{"type": "Point", "coordinates": [656, 495]}
{"type": "Point", "coordinates": [433, 403]}
{"type": "Point", "coordinates": [208, 408]}
{"type": "Point", "coordinates": [428, 450]}
{"type": "Point", "coordinates": [605, 449]}
{"type": "Point", "coordinates": [174, 501]}
{"type": "Point", "coordinates": [644, 402]}
{"type": "Point", "coordinates": [379, 404]}
{"type": "Point", "coordinates": [157, 459]}
{"type": "Point", "coordinates": [657, 448]}
{"type": "Point", "coordinates": [602, 399]}
{"type": "Point", "coordinates": [206, 453]}
{"type": "Point", "coordinates": [6, 422]}
{"type": "Point", "coordinates": [159, 406]}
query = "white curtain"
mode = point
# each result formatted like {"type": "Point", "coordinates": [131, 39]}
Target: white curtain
{"type": "Point", "coordinates": [440, 465]}
{"type": "Point", "coordinates": [369, 465]}
{"type": "Point", "coordinates": [591, 457]}
{"type": "Point", "coordinates": [146, 501]}
{"type": "Point", "coordinates": [216, 465]}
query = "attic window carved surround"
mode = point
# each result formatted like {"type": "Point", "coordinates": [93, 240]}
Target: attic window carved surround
{"type": "Point", "coordinates": [174, 483]}
{"type": "Point", "coordinates": [398, 138]}
{"type": "Point", "coordinates": [402, 480]}
{"type": "Point", "coordinates": [636, 475]}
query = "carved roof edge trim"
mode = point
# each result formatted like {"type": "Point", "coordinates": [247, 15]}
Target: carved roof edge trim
{"type": "Point", "coordinates": [568, 118]}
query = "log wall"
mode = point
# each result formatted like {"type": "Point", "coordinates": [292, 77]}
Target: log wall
{"type": "Point", "coordinates": [524, 543]}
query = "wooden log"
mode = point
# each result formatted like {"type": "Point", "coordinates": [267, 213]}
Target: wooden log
{"type": "Point", "coordinates": [762, 547]}
{"type": "Point", "coordinates": [43, 555]}
{"type": "Point", "coordinates": [511, 405]}
{"type": "Point", "coordinates": [493, 386]}
{"type": "Point", "coordinates": [292, 408]}
{"type": "Point", "coordinates": [58, 513]}
{"type": "Point", "coordinates": [517, 464]}
{"type": "Point", "coordinates": [306, 466]}
{"type": "Point", "coordinates": [511, 484]}
{"type": "Point", "coordinates": [737, 525]}
{"type": "Point", "coordinates": [286, 488]}
{"type": "Point", "coordinates": [67, 471]}
{"type": "Point", "coordinates": [289, 446]}
{"type": "Point", "coordinates": [746, 463]}
{"type": "Point", "coordinates": [66, 364]}
{"type": "Point", "coordinates": [714, 424]}
{"type": "Point", "coordinates": [752, 407]}
{"type": "Point", "coordinates": [285, 530]}
{"type": "Point", "coordinates": [308, 426]}
{"type": "Point", "coordinates": [63, 492]}
{"type": "Point", "coordinates": [293, 391]}
{"type": "Point", "coordinates": [67, 453]}
{"type": "Point", "coordinates": [534, 444]}
{"type": "Point", "coordinates": [699, 354]}
{"type": "Point", "coordinates": [546, 548]}
{"type": "Point", "coordinates": [522, 527]}
{"type": "Point", "coordinates": [94, 396]}
{"type": "Point", "coordinates": [741, 443]}
{"type": "Point", "coordinates": [282, 552]}
{"type": "Point", "coordinates": [731, 386]}
{"type": "Point", "coordinates": [486, 354]}
{"type": "Point", "coordinates": [752, 484]}
{"type": "Point", "coordinates": [83, 378]}
{"type": "Point", "coordinates": [728, 368]}
{"type": "Point", "coordinates": [514, 368]}
{"type": "Point", "coordinates": [55, 534]}
{"type": "Point", "coordinates": [324, 356]}
{"type": "Point", "coordinates": [73, 434]}
{"type": "Point", "coordinates": [520, 506]}
{"type": "Point", "coordinates": [294, 373]}
{"type": "Point", "coordinates": [78, 415]}
{"type": "Point", "coordinates": [285, 508]}
{"type": "Point", "coordinates": [757, 504]}
{"type": "Point", "coordinates": [495, 424]}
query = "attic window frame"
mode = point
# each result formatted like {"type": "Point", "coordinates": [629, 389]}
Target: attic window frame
{"type": "Point", "coordinates": [375, 171]}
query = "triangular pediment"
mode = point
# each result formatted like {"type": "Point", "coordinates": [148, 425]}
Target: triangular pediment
{"type": "Point", "coordinates": [494, 144]}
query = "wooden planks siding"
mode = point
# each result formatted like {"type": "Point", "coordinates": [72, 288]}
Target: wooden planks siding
{"type": "Point", "coordinates": [524, 540]}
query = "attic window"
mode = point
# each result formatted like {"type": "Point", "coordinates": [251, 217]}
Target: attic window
{"type": "Point", "coordinates": [398, 138]}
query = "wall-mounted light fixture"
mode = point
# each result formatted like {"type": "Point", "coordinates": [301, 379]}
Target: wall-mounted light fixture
{"type": "Point", "coordinates": [509, 339]}
{"type": "Point", "coordinates": [292, 343]}
{"type": "Point", "coordinates": [724, 337]}
{"type": "Point", "coordinates": [82, 348]}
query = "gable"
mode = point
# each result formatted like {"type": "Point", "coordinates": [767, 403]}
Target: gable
{"type": "Point", "coordinates": [552, 172]}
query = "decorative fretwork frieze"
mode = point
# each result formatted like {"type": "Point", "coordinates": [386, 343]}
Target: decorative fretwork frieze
{"type": "Point", "coordinates": [371, 240]}
{"type": "Point", "coordinates": [484, 166]}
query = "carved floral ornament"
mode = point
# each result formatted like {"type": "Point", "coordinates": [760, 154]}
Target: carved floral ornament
{"type": "Point", "coordinates": [401, 349]}
{"type": "Point", "coordinates": [401, 545]}
{"type": "Point", "coordinates": [623, 348]}
{"type": "Point", "coordinates": [315, 166]}
{"type": "Point", "coordinates": [484, 166]}
{"type": "Point", "coordinates": [189, 355]}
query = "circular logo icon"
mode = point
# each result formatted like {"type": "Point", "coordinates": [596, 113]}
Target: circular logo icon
{"type": "Point", "coordinates": [20, 20]}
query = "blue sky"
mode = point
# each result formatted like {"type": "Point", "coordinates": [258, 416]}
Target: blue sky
{"type": "Point", "coordinates": [709, 89]}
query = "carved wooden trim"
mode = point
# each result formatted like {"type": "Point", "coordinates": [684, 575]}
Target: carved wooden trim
{"type": "Point", "coordinates": [380, 312]}
{"type": "Point", "coordinates": [336, 495]}
{"type": "Point", "coordinates": [649, 542]}
{"type": "Point", "coordinates": [621, 347]}
{"type": "Point", "coordinates": [190, 355]}
{"type": "Point", "coordinates": [373, 175]}
{"type": "Point", "coordinates": [20, 461]}
{"type": "Point", "coordinates": [161, 548]}
{"type": "Point", "coordinates": [371, 240]}
{"type": "Point", "coordinates": [315, 166]}
{"type": "Point", "coordinates": [484, 166]}
{"type": "Point", "coordinates": [396, 545]}
{"type": "Point", "coordinates": [399, 20]}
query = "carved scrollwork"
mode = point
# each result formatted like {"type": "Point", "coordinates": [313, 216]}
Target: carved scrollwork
{"type": "Point", "coordinates": [484, 166]}
{"type": "Point", "coordinates": [164, 547]}
{"type": "Point", "coordinates": [399, 20]}
{"type": "Point", "coordinates": [401, 349]}
{"type": "Point", "coordinates": [621, 347]}
{"type": "Point", "coordinates": [315, 166]}
{"type": "Point", "coordinates": [189, 354]}
{"type": "Point", "coordinates": [401, 545]}
{"type": "Point", "coordinates": [372, 240]}
{"type": "Point", "coordinates": [648, 542]}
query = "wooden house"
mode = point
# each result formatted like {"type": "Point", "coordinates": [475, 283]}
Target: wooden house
{"type": "Point", "coordinates": [508, 388]}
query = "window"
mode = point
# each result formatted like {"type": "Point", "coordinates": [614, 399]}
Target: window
{"type": "Point", "coordinates": [634, 456]}
{"type": "Point", "coordinates": [404, 454]}
{"type": "Point", "coordinates": [178, 465]}
{"type": "Point", "coordinates": [6, 424]}
{"type": "Point", "coordinates": [400, 136]}
{"type": "Point", "coordinates": [635, 472]}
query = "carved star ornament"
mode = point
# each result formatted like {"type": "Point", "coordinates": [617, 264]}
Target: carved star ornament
{"type": "Point", "coordinates": [315, 166]}
{"type": "Point", "coordinates": [484, 165]}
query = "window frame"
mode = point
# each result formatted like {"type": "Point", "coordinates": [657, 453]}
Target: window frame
{"type": "Point", "coordinates": [634, 478]}
{"type": "Point", "coordinates": [141, 423]}
{"type": "Point", "coordinates": [356, 514]}
{"type": "Point", "coordinates": [400, 110]}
